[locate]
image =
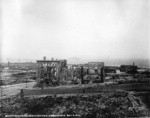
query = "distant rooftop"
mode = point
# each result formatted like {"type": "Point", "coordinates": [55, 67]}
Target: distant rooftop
{"type": "Point", "coordinates": [52, 60]}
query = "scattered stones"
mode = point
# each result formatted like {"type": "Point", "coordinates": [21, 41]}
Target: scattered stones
{"type": "Point", "coordinates": [119, 104]}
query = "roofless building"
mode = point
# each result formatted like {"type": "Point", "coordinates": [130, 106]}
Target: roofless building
{"type": "Point", "coordinates": [49, 70]}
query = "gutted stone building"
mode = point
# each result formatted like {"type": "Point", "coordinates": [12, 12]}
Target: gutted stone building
{"type": "Point", "coordinates": [49, 70]}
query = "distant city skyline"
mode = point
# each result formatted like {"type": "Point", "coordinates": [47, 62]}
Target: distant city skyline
{"type": "Point", "coordinates": [94, 29]}
{"type": "Point", "coordinates": [145, 63]}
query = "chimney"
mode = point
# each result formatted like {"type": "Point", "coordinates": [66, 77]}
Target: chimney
{"type": "Point", "coordinates": [52, 58]}
{"type": "Point", "coordinates": [133, 63]}
{"type": "Point", "coordinates": [44, 58]}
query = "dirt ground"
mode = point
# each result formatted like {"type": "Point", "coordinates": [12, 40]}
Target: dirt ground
{"type": "Point", "coordinates": [10, 90]}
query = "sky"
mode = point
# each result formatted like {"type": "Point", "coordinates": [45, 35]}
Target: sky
{"type": "Point", "coordinates": [114, 29]}
{"type": "Point", "coordinates": [0, 30]}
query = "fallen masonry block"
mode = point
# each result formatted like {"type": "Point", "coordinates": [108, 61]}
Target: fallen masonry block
{"type": "Point", "coordinates": [133, 101]}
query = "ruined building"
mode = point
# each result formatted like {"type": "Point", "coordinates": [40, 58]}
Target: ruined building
{"type": "Point", "coordinates": [49, 70]}
{"type": "Point", "coordinates": [94, 72]}
{"type": "Point", "coordinates": [129, 68]}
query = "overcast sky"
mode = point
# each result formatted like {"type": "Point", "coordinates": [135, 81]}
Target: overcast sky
{"type": "Point", "coordinates": [114, 29]}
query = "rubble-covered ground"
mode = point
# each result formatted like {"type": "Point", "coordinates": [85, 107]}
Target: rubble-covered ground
{"type": "Point", "coordinates": [117, 104]}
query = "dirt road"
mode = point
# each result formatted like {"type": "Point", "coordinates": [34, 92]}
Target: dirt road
{"type": "Point", "coordinates": [10, 90]}
{"type": "Point", "coordinates": [87, 89]}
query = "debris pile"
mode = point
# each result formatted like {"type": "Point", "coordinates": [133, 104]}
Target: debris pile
{"type": "Point", "coordinates": [118, 104]}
